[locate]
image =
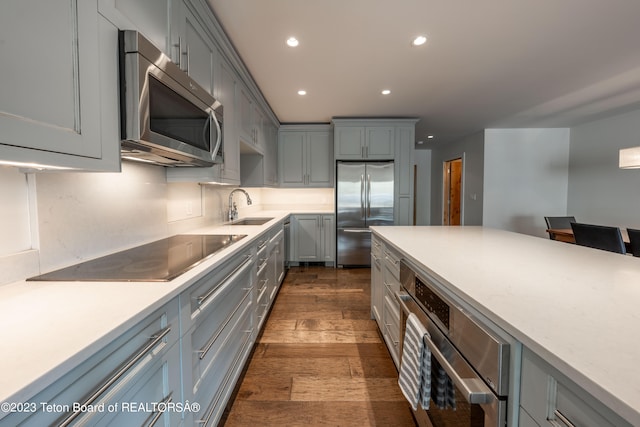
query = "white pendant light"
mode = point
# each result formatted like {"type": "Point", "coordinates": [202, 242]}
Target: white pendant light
{"type": "Point", "coordinates": [630, 158]}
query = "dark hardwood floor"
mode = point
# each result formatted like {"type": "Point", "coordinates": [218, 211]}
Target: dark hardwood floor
{"type": "Point", "coordinates": [320, 359]}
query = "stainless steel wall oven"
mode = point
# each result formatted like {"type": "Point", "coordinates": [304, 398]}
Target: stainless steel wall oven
{"type": "Point", "coordinates": [474, 359]}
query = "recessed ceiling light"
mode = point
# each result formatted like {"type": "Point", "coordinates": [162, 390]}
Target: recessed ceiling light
{"type": "Point", "coordinates": [419, 41]}
{"type": "Point", "coordinates": [386, 92]}
{"type": "Point", "coordinates": [302, 92]}
{"type": "Point", "coordinates": [293, 42]}
{"type": "Point", "coordinates": [429, 136]}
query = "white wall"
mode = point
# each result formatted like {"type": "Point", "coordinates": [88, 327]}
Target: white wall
{"type": "Point", "coordinates": [15, 215]}
{"type": "Point", "coordinates": [422, 160]}
{"type": "Point", "coordinates": [471, 149]}
{"type": "Point", "coordinates": [600, 192]}
{"type": "Point", "coordinates": [526, 175]}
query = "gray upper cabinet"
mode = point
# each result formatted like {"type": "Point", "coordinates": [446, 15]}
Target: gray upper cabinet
{"type": "Point", "coordinates": [198, 51]}
{"type": "Point", "coordinates": [360, 142]}
{"type": "Point", "coordinates": [305, 156]}
{"type": "Point", "coordinates": [252, 120]}
{"type": "Point", "coordinates": [53, 117]}
{"type": "Point", "coordinates": [150, 17]}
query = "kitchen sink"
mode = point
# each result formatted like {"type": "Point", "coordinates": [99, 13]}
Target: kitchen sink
{"type": "Point", "coordinates": [251, 221]}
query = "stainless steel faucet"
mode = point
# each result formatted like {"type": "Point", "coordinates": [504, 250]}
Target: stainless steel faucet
{"type": "Point", "coordinates": [233, 209]}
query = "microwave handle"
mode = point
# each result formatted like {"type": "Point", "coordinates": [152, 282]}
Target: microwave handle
{"type": "Point", "coordinates": [212, 117]}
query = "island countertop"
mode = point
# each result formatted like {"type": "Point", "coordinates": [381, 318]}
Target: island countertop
{"type": "Point", "coordinates": [576, 307]}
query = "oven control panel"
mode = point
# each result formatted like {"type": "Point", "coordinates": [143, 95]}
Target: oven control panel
{"type": "Point", "coordinates": [432, 302]}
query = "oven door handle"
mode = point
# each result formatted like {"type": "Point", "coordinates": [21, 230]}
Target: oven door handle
{"type": "Point", "coordinates": [474, 390]}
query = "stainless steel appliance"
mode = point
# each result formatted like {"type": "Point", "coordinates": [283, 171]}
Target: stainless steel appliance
{"type": "Point", "coordinates": [159, 261]}
{"type": "Point", "coordinates": [475, 358]}
{"type": "Point", "coordinates": [364, 197]}
{"type": "Point", "coordinates": [166, 117]}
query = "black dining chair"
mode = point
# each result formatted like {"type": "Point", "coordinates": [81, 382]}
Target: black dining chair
{"type": "Point", "coordinates": [599, 237]}
{"type": "Point", "coordinates": [634, 239]}
{"type": "Point", "coordinates": [558, 222]}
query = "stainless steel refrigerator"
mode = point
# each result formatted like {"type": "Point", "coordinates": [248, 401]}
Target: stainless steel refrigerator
{"type": "Point", "coordinates": [364, 197]}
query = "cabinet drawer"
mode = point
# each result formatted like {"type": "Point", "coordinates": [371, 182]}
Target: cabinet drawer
{"type": "Point", "coordinates": [106, 376]}
{"type": "Point", "coordinates": [392, 261]}
{"type": "Point", "coordinates": [263, 277]}
{"type": "Point", "coordinates": [262, 307]}
{"type": "Point", "coordinates": [199, 296]}
{"type": "Point", "coordinates": [391, 333]}
{"type": "Point", "coordinates": [208, 338]}
{"type": "Point", "coordinates": [376, 247]}
{"type": "Point", "coordinates": [550, 398]}
{"type": "Point", "coordinates": [227, 360]}
{"type": "Point", "coordinates": [142, 404]}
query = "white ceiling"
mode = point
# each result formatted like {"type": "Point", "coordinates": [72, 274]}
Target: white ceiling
{"type": "Point", "coordinates": [491, 63]}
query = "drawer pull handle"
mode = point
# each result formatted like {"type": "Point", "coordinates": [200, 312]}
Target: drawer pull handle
{"type": "Point", "coordinates": [153, 419]}
{"type": "Point", "coordinates": [565, 421]}
{"type": "Point", "coordinates": [262, 244]}
{"type": "Point", "coordinates": [204, 350]}
{"type": "Point", "coordinates": [203, 298]}
{"type": "Point", "coordinates": [154, 341]}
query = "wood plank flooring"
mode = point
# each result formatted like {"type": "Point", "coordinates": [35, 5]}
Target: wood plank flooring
{"type": "Point", "coordinates": [320, 359]}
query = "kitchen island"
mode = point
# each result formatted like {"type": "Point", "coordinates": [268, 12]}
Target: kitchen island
{"type": "Point", "coordinates": [573, 308]}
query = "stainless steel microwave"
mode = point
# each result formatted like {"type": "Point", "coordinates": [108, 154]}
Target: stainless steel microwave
{"type": "Point", "coordinates": [166, 117]}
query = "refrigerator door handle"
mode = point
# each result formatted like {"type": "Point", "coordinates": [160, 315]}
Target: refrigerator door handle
{"type": "Point", "coordinates": [362, 202]}
{"type": "Point", "coordinates": [368, 195]}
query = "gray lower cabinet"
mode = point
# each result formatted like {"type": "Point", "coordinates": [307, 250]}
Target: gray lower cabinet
{"type": "Point", "coordinates": [313, 238]}
{"type": "Point", "coordinates": [385, 282]}
{"type": "Point", "coordinates": [217, 314]}
{"type": "Point", "coordinates": [390, 306]}
{"type": "Point", "coordinates": [185, 358]}
{"type": "Point", "coordinates": [377, 281]}
{"type": "Point", "coordinates": [122, 384]}
{"type": "Point", "coordinates": [550, 398]}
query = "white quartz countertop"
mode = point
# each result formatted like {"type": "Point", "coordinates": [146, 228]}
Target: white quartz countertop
{"type": "Point", "coordinates": [576, 307]}
{"type": "Point", "coordinates": [47, 328]}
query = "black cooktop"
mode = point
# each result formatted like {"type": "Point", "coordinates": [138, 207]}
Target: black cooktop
{"type": "Point", "coordinates": [158, 261]}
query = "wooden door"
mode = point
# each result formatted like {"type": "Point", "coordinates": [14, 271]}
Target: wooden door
{"type": "Point", "coordinates": [452, 191]}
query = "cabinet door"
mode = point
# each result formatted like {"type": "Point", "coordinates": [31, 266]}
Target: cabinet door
{"type": "Point", "coordinates": [198, 52]}
{"type": "Point", "coordinates": [349, 143]}
{"type": "Point", "coordinates": [292, 159]}
{"type": "Point", "coordinates": [319, 159]}
{"type": "Point", "coordinates": [150, 17]}
{"type": "Point", "coordinates": [379, 143]}
{"type": "Point", "coordinates": [259, 128]}
{"type": "Point", "coordinates": [56, 110]}
{"type": "Point", "coordinates": [245, 121]}
{"type": "Point", "coordinates": [271, 155]}
{"type": "Point", "coordinates": [328, 238]}
{"type": "Point", "coordinates": [307, 239]}
{"type": "Point", "coordinates": [377, 282]}
{"type": "Point", "coordinates": [227, 95]}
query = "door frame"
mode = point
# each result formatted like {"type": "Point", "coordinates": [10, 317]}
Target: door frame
{"type": "Point", "coordinates": [446, 173]}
